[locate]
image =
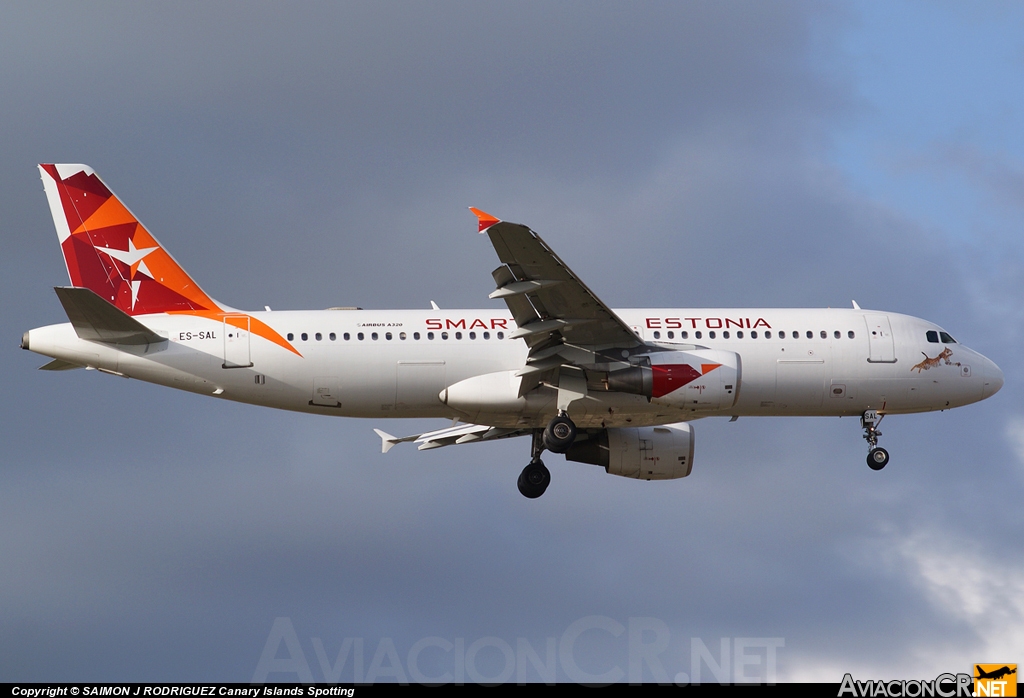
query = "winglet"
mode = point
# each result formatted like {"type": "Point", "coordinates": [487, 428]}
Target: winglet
{"type": "Point", "coordinates": [387, 441]}
{"type": "Point", "coordinates": [486, 220]}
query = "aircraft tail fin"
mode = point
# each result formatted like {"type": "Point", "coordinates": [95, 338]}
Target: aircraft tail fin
{"type": "Point", "coordinates": [108, 251]}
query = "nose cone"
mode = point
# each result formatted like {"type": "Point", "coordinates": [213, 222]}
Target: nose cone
{"type": "Point", "coordinates": [993, 379]}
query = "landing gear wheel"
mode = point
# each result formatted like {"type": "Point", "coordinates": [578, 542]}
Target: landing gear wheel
{"type": "Point", "coordinates": [534, 480]}
{"type": "Point", "coordinates": [877, 458]}
{"type": "Point", "coordinates": [559, 434]}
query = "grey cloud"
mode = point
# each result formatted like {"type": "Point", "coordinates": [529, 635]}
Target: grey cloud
{"type": "Point", "coordinates": [322, 156]}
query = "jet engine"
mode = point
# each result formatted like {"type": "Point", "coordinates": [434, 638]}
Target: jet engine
{"type": "Point", "coordinates": [644, 453]}
{"type": "Point", "coordinates": [699, 380]}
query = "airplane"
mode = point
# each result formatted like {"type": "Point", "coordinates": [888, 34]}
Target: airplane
{"type": "Point", "coordinates": [614, 388]}
{"type": "Point", "coordinates": [995, 674]}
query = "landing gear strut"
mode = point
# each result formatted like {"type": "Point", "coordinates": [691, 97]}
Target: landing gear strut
{"type": "Point", "coordinates": [535, 478]}
{"type": "Point", "coordinates": [557, 437]}
{"type": "Point", "coordinates": [877, 457]}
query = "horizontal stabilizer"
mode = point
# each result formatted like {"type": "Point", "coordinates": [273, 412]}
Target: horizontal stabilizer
{"type": "Point", "coordinates": [58, 365]}
{"type": "Point", "coordinates": [97, 320]}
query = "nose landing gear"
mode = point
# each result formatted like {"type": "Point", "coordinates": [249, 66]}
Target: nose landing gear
{"type": "Point", "coordinates": [878, 457]}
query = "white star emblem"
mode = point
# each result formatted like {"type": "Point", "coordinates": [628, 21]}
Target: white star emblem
{"type": "Point", "coordinates": [133, 257]}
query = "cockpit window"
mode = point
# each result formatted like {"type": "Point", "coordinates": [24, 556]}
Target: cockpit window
{"type": "Point", "coordinates": [946, 339]}
{"type": "Point", "coordinates": [932, 336]}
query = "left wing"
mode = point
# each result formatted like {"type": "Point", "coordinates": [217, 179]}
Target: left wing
{"type": "Point", "coordinates": [456, 434]}
{"type": "Point", "coordinates": [544, 295]}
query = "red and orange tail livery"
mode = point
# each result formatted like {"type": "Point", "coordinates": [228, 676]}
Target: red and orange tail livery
{"type": "Point", "coordinates": [108, 250]}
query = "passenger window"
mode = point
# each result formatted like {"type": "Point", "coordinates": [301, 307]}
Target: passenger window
{"type": "Point", "coordinates": [725, 335]}
{"type": "Point", "coordinates": [487, 335]}
{"type": "Point", "coordinates": [333, 336]}
{"type": "Point", "coordinates": [387, 336]}
{"type": "Point", "coordinates": [444, 335]}
{"type": "Point", "coordinates": [837, 334]}
{"type": "Point", "coordinates": [304, 336]}
{"type": "Point", "coordinates": [291, 336]}
{"type": "Point", "coordinates": [401, 335]}
{"type": "Point", "coordinates": [824, 334]}
{"type": "Point", "coordinates": [373, 336]}
{"type": "Point", "coordinates": [415, 335]}
{"type": "Point", "coordinates": [753, 334]}
{"type": "Point", "coordinates": [767, 334]}
{"type": "Point", "coordinates": [458, 335]}
{"type": "Point", "coordinates": [347, 336]}
{"type": "Point", "coordinates": [501, 335]}
{"type": "Point", "coordinates": [796, 335]}
{"type": "Point", "coordinates": [360, 336]}
{"type": "Point", "coordinates": [319, 336]}
{"type": "Point", "coordinates": [711, 334]}
{"type": "Point", "coordinates": [657, 335]}
{"type": "Point", "coordinates": [430, 335]}
{"type": "Point", "coordinates": [850, 334]}
{"type": "Point", "coordinates": [810, 335]}
{"type": "Point", "coordinates": [684, 334]}
{"type": "Point", "coordinates": [946, 339]}
{"type": "Point", "coordinates": [697, 334]}
{"type": "Point", "coordinates": [671, 334]}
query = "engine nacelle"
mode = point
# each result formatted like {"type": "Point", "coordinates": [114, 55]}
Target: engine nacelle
{"type": "Point", "coordinates": [699, 380]}
{"type": "Point", "coordinates": [643, 453]}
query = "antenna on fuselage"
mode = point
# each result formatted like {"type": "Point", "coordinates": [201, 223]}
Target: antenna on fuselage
{"type": "Point", "coordinates": [855, 306]}
{"type": "Point", "coordinates": [434, 305]}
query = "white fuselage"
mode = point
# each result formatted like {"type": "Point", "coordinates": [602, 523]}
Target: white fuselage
{"type": "Point", "coordinates": [793, 362]}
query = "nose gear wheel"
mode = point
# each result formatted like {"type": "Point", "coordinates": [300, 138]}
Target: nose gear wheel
{"type": "Point", "coordinates": [878, 457]}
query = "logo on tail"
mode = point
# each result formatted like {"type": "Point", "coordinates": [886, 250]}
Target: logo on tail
{"type": "Point", "coordinates": [108, 251]}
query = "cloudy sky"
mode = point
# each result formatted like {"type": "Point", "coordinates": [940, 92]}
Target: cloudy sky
{"type": "Point", "coordinates": [320, 154]}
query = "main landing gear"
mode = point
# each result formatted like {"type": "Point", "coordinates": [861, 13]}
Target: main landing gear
{"type": "Point", "coordinates": [534, 479]}
{"type": "Point", "coordinates": [878, 457]}
{"type": "Point", "coordinates": [557, 437]}
{"type": "Point", "coordinates": [559, 434]}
